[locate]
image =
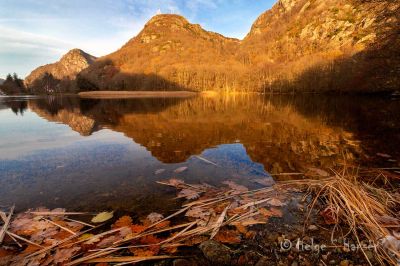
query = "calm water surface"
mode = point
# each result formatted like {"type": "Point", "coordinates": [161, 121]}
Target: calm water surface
{"type": "Point", "coordinates": [103, 154]}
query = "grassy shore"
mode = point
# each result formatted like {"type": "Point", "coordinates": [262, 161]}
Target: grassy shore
{"type": "Point", "coordinates": [136, 94]}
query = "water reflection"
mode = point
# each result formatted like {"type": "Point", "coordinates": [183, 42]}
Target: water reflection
{"type": "Point", "coordinates": [97, 154]}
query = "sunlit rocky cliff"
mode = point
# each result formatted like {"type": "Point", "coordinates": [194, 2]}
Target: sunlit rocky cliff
{"type": "Point", "coordinates": [59, 76]}
{"type": "Point", "coordinates": [297, 45]}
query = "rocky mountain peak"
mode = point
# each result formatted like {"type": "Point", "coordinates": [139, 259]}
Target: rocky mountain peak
{"type": "Point", "coordinates": [70, 64]}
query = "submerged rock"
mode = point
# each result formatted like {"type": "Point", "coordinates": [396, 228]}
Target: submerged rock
{"type": "Point", "coordinates": [216, 253]}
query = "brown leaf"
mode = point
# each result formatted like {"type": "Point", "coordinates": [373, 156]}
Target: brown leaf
{"type": "Point", "coordinates": [30, 249]}
{"type": "Point", "coordinates": [268, 182]}
{"type": "Point", "coordinates": [242, 229]}
{"type": "Point", "coordinates": [108, 241]}
{"type": "Point", "coordinates": [155, 217]}
{"type": "Point", "coordinates": [137, 229]}
{"type": "Point", "coordinates": [329, 215]}
{"type": "Point", "coordinates": [63, 255]}
{"type": "Point", "coordinates": [122, 222]}
{"type": "Point", "coordinates": [319, 172]}
{"type": "Point", "coordinates": [195, 240]}
{"type": "Point", "coordinates": [228, 237]}
{"type": "Point", "coordinates": [235, 186]}
{"type": "Point", "coordinates": [188, 194]}
{"type": "Point", "coordinates": [162, 225]}
{"type": "Point", "coordinates": [276, 212]}
{"type": "Point", "coordinates": [149, 240]}
{"type": "Point", "coordinates": [175, 182]}
{"type": "Point", "coordinates": [198, 213]}
{"type": "Point", "coordinates": [276, 202]}
{"type": "Point", "coordinates": [143, 252]}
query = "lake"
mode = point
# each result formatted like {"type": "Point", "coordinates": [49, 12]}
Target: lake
{"type": "Point", "coordinates": [91, 155]}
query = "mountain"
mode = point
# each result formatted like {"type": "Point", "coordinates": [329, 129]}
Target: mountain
{"type": "Point", "coordinates": [297, 45]}
{"type": "Point", "coordinates": [60, 73]}
{"type": "Point", "coordinates": [326, 45]}
{"type": "Point", "coordinates": [1, 81]}
{"type": "Point", "coordinates": [167, 53]}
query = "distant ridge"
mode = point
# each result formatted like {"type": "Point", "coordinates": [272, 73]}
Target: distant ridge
{"type": "Point", "coordinates": [296, 46]}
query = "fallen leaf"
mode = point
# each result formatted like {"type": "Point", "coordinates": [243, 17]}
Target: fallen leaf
{"type": "Point", "coordinates": [30, 249]}
{"type": "Point", "coordinates": [228, 237]}
{"type": "Point", "coordinates": [175, 182]}
{"type": "Point", "coordinates": [122, 222]}
{"type": "Point", "coordinates": [162, 225]}
{"type": "Point", "coordinates": [159, 171]}
{"type": "Point", "coordinates": [188, 194]}
{"type": "Point", "coordinates": [276, 212]}
{"type": "Point", "coordinates": [137, 229]}
{"type": "Point", "coordinates": [268, 182]}
{"type": "Point", "coordinates": [181, 169]}
{"type": "Point", "coordinates": [319, 171]}
{"type": "Point", "coordinates": [195, 240]}
{"type": "Point", "coordinates": [143, 252]}
{"type": "Point", "coordinates": [155, 217]}
{"type": "Point", "coordinates": [235, 186]}
{"type": "Point", "coordinates": [276, 202]}
{"type": "Point", "coordinates": [108, 241]}
{"type": "Point", "coordinates": [149, 240]}
{"type": "Point", "coordinates": [198, 213]}
{"type": "Point", "coordinates": [241, 229]}
{"type": "Point", "coordinates": [102, 217]}
{"type": "Point", "coordinates": [4, 253]}
{"type": "Point", "coordinates": [63, 255]}
{"type": "Point", "coordinates": [85, 236]}
{"type": "Point", "coordinates": [329, 215]}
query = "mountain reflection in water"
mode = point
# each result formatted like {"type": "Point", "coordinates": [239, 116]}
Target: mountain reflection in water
{"type": "Point", "coordinates": [112, 162]}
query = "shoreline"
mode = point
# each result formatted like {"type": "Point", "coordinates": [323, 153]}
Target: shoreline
{"type": "Point", "coordinates": [136, 94]}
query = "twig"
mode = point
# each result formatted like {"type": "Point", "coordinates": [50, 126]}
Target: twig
{"type": "Point", "coordinates": [62, 227]}
{"type": "Point", "coordinates": [6, 224]}
{"type": "Point", "coordinates": [80, 222]}
{"type": "Point", "coordinates": [219, 222]}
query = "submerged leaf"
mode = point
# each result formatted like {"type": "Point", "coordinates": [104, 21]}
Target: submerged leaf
{"type": "Point", "coordinates": [159, 171]}
{"type": "Point", "coordinates": [268, 182]}
{"type": "Point", "coordinates": [181, 169]}
{"type": "Point", "coordinates": [155, 217]}
{"type": "Point", "coordinates": [102, 217]}
{"type": "Point", "coordinates": [188, 194]}
{"type": "Point", "coordinates": [235, 186]}
{"type": "Point", "coordinates": [319, 172]}
{"type": "Point", "coordinates": [228, 237]}
{"type": "Point", "coordinates": [123, 221]}
{"type": "Point", "coordinates": [66, 254]}
{"type": "Point", "coordinates": [276, 203]}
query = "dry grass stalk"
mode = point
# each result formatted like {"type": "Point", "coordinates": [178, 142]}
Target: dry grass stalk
{"type": "Point", "coordinates": [359, 206]}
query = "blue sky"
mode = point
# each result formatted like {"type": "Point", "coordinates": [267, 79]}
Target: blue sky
{"type": "Point", "coordinates": [37, 32]}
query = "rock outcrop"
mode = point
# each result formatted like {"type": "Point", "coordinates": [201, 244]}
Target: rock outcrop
{"type": "Point", "coordinates": [337, 42]}
{"type": "Point", "coordinates": [66, 68]}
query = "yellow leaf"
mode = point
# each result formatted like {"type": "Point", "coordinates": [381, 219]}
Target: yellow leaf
{"type": "Point", "coordinates": [102, 217]}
